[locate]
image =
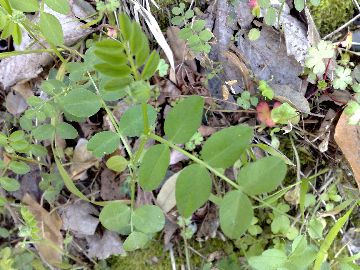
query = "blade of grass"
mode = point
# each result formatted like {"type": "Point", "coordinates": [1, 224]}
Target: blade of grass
{"type": "Point", "coordinates": [329, 239]}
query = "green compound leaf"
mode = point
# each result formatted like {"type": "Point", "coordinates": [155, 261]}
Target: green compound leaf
{"type": "Point", "coordinates": [81, 103]}
{"type": "Point", "coordinates": [184, 119]}
{"type": "Point", "coordinates": [263, 175]}
{"type": "Point", "coordinates": [316, 56]}
{"type": "Point", "coordinates": [60, 6]}
{"type": "Point", "coordinates": [19, 167]}
{"type": "Point", "coordinates": [193, 188]}
{"type": "Point", "coordinates": [9, 184]}
{"type": "Point", "coordinates": [102, 143]}
{"type": "Point", "coordinates": [132, 122]}
{"type": "Point", "coordinates": [150, 66]}
{"type": "Point", "coordinates": [44, 132]}
{"type": "Point", "coordinates": [115, 217]}
{"type": "Point", "coordinates": [136, 240]}
{"type": "Point", "coordinates": [66, 131]}
{"type": "Point", "coordinates": [343, 78]}
{"type": "Point", "coordinates": [25, 6]}
{"type": "Point", "coordinates": [117, 163]}
{"type": "Point", "coordinates": [154, 166]}
{"type": "Point", "coordinates": [148, 219]}
{"type": "Point", "coordinates": [224, 147]}
{"type": "Point", "coordinates": [51, 28]}
{"type": "Point", "coordinates": [236, 214]}
{"type": "Point", "coordinates": [285, 113]}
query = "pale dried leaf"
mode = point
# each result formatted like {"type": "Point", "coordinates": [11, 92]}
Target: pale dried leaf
{"type": "Point", "coordinates": [15, 103]}
{"type": "Point", "coordinates": [82, 160]}
{"type": "Point", "coordinates": [77, 217]}
{"type": "Point", "coordinates": [166, 197]}
{"type": "Point", "coordinates": [105, 246]}
{"type": "Point", "coordinates": [50, 248]}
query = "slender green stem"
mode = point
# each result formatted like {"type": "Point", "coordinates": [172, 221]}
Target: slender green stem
{"type": "Point", "coordinates": [192, 157]}
{"type": "Point", "coordinates": [112, 118]}
{"type": "Point", "coordinates": [214, 171]}
{"type": "Point", "coordinates": [143, 140]}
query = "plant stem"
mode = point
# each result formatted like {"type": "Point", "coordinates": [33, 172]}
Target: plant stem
{"type": "Point", "coordinates": [192, 157]}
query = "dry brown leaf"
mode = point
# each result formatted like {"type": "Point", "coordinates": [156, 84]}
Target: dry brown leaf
{"type": "Point", "coordinates": [15, 103]}
{"type": "Point", "coordinates": [50, 248]}
{"type": "Point", "coordinates": [82, 160]}
{"type": "Point", "coordinates": [347, 138]}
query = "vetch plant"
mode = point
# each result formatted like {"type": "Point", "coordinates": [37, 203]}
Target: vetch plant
{"type": "Point", "coordinates": [121, 69]}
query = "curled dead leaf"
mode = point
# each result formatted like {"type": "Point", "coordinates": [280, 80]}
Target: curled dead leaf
{"type": "Point", "coordinates": [347, 138]}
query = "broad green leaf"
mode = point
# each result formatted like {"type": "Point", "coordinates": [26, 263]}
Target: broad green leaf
{"type": "Point", "coordinates": [154, 166]}
{"type": "Point", "coordinates": [263, 175]}
{"type": "Point", "coordinates": [150, 66]}
{"type": "Point", "coordinates": [102, 143]}
{"type": "Point", "coordinates": [270, 16]}
{"type": "Point", "coordinates": [184, 119]}
{"type": "Point", "coordinates": [8, 29]}
{"type": "Point", "coordinates": [20, 146]}
{"type": "Point", "coordinates": [51, 28]}
{"type": "Point", "coordinates": [224, 147]}
{"type": "Point", "coordinates": [117, 163]}
{"type": "Point", "coordinates": [19, 167]}
{"type": "Point", "coordinates": [139, 44]}
{"type": "Point", "coordinates": [299, 5]}
{"type": "Point", "coordinates": [25, 6]}
{"type": "Point", "coordinates": [17, 136]}
{"type": "Point", "coordinates": [119, 84]}
{"type": "Point", "coordinates": [270, 259]}
{"type": "Point", "coordinates": [136, 240]}
{"type": "Point", "coordinates": [81, 103]}
{"type": "Point", "coordinates": [193, 188]}
{"type": "Point", "coordinates": [254, 34]}
{"type": "Point", "coordinates": [115, 216]}
{"type": "Point", "coordinates": [38, 150]}
{"type": "Point", "coordinates": [17, 35]}
{"type": "Point", "coordinates": [148, 219]}
{"type": "Point", "coordinates": [9, 184]}
{"type": "Point", "coordinates": [66, 131]}
{"type": "Point", "coordinates": [125, 25]}
{"type": "Point", "coordinates": [205, 35]}
{"type": "Point", "coordinates": [132, 122]}
{"type": "Point", "coordinates": [44, 132]}
{"type": "Point", "coordinates": [236, 214]}
{"type": "Point", "coordinates": [285, 113]}
{"type": "Point", "coordinates": [110, 51]}
{"type": "Point", "coordinates": [60, 6]}
{"type": "Point", "coordinates": [116, 71]}
{"type": "Point", "coordinates": [330, 237]}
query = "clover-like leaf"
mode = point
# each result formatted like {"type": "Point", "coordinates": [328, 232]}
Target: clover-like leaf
{"type": "Point", "coordinates": [343, 78]}
{"type": "Point", "coordinates": [317, 55]}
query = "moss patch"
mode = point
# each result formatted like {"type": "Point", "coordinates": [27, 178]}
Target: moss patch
{"type": "Point", "coordinates": [155, 258]}
{"type": "Point", "coordinates": [331, 14]}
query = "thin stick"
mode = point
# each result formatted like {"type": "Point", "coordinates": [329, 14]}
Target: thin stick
{"type": "Point", "coordinates": [342, 27]}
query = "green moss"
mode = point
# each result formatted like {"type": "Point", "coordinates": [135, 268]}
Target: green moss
{"type": "Point", "coordinates": [163, 14]}
{"type": "Point", "coordinates": [144, 259]}
{"type": "Point", "coordinates": [331, 14]}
